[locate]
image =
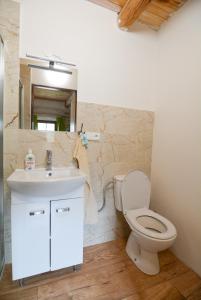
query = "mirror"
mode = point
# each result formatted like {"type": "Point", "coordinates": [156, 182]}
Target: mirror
{"type": "Point", "coordinates": [47, 96]}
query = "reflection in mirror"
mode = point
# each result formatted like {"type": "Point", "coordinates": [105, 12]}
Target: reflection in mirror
{"type": "Point", "coordinates": [47, 97]}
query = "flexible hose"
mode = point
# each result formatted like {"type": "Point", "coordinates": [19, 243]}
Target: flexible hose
{"type": "Point", "coordinates": [104, 195]}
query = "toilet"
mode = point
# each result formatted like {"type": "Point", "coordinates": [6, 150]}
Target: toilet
{"type": "Point", "coordinates": [150, 232]}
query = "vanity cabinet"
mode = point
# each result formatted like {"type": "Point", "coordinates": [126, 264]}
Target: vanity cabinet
{"type": "Point", "coordinates": [30, 239]}
{"type": "Point", "coordinates": [47, 235]}
{"type": "Point", "coordinates": [66, 233]}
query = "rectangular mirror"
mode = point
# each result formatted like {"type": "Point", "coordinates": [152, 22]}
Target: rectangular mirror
{"type": "Point", "coordinates": [47, 96]}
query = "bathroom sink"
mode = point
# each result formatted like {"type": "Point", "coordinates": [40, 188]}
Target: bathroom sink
{"type": "Point", "coordinates": [42, 183]}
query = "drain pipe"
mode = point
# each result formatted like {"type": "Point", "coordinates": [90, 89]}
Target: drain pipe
{"type": "Point", "coordinates": [110, 183]}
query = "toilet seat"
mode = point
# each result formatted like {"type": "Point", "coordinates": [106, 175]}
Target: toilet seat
{"type": "Point", "coordinates": [150, 224]}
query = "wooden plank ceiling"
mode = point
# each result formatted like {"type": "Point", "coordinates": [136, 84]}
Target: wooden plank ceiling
{"type": "Point", "coordinates": [150, 12]}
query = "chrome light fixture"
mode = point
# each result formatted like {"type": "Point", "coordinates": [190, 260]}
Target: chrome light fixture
{"type": "Point", "coordinates": [53, 65]}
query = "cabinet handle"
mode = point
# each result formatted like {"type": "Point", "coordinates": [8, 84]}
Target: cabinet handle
{"type": "Point", "coordinates": [37, 213]}
{"type": "Point", "coordinates": [62, 210]}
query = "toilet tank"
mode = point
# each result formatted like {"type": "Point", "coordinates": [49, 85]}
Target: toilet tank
{"type": "Point", "coordinates": [117, 191]}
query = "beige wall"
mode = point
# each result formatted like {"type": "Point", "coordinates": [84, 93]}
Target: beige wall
{"type": "Point", "coordinates": [25, 78]}
{"type": "Point", "coordinates": [9, 30]}
{"type": "Point", "coordinates": [176, 168]}
{"type": "Point", "coordinates": [126, 142]}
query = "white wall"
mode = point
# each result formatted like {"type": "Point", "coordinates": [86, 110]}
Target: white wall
{"type": "Point", "coordinates": [176, 168]}
{"type": "Point", "coordinates": [115, 67]}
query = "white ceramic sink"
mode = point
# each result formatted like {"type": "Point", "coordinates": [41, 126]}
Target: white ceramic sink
{"type": "Point", "coordinates": [42, 183]}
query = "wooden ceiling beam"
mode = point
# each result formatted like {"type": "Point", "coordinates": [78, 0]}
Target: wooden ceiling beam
{"type": "Point", "coordinates": [131, 12]}
{"type": "Point", "coordinates": [150, 12]}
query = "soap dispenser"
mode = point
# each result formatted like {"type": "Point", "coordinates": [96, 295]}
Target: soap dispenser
{"type": "Point", "coordinates": [30, 160]}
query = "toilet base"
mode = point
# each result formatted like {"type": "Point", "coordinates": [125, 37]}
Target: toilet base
{"type": "Point", "coordinates": [146, 261]}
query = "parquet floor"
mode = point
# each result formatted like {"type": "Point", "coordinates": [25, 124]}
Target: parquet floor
{"type": "Point", "coordinates": [108, 274]}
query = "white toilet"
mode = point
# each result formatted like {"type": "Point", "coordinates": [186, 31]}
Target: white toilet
{"type": "Point", "coordinates": [151, 232]}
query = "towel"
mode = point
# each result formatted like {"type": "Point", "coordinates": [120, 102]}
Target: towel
{"type": "Point", "coordinates": [91, 211]}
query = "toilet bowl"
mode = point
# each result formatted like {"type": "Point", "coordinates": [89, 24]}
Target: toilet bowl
{"type": "Point", "coordinates": [150, 232]}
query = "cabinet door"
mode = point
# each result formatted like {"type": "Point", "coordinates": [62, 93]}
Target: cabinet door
{"type": "Point", "coordinates": [66, 233]}
{"type": "Point", "coordinates": [30, 239]}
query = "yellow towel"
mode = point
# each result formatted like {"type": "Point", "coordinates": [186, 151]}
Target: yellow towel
{"type": "Point", "coordinates": [91, 211]}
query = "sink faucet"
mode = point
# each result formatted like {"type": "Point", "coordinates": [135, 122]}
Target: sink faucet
{"type": "Point", "coordinates": [49, 160]}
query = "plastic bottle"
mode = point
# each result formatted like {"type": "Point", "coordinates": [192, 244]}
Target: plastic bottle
{"type": "Point", "coordinates": [29, 161]}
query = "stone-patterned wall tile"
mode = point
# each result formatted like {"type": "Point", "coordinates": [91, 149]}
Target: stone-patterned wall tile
{"type": "Point", "coordinates": [9, 30]}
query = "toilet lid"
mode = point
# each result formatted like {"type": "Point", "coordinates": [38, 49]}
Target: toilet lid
{"type": "Point", "coordinates": [135, 190]}
{"type": "Point", "coordinates": [150, 223]}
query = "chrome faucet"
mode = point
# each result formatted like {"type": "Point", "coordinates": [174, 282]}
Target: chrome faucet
{"type": "Point", "coordinates": [49, 160]}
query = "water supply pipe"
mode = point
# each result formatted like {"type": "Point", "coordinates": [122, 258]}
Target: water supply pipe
{"type": "Point", "coordinates": [110, 183]}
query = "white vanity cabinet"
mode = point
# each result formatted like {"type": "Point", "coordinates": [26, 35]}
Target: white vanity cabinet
{"type": "Point", "coordinates": [30, 239]}
{"type": "Point", "coordinates": [66, 233]}
{"type": "Point", "coordinates": [47, 234]}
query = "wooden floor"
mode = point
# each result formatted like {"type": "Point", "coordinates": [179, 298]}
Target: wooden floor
{"type": "Point", "coordinates": [108, 274]}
